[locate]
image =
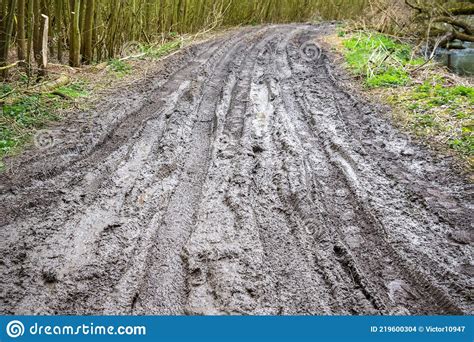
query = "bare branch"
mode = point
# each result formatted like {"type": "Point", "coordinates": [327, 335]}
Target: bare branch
{"type": "Point", "coordinates": [455, 22]}
{"type": "Point", "coordinates": [462, 10]}
{"type": "Point", "coordinates": [11, 65]}
{"type": "Point", "coordinates": [416, 7]}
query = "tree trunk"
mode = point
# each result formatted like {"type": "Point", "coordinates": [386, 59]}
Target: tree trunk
{"type": "Point", "coordinates": [5, 36]}
{"type": "Point", "coordinates": [82, 11]}
{"type": "Point", "coordinates": [21, 40]}
{"type": "Point", "coordinates": [30, 35]}
{"type": "Point", "coordinates": [58, 28]}
{"type": "Point", "coordinates": [44, 44]}
{"type": "Point", "coordinates": [75, 39]}
{"type": "Point", "coordinates": [87, 34]}
{"type": "Point", "coordinates": [37, 36]}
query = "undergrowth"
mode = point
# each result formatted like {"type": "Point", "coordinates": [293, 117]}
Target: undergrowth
{"type": "Point", "coordinates": [158, 51]}
{"type": "Point", "coordinates": [24, 109]}
{"type": "Point", "coordinates": [22, 113]}
{"type": "Point", "coordinates": [119, 67]}
{"type": "Point", "coordinates": [380, 60]}
{"type": "Point", "coordinates": [432, 103]}
{"type": "Point", "coordinates": [436, 108]}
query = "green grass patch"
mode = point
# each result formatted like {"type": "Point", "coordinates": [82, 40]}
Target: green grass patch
{"type": "Point", "coordinates": [119, 67]}
{"type": "Point", "coordinates": [436, 109]}
{"type": "Point", "coordinates": [158, 51]}
{"type": "Point", "coordinates": [21, 114]}
{"type": "Point", "coordinates": [20, 117]}
{"type": "Point", "coordinates": [431, 107]}
{"type": "Point", "coordinates": [5, 89]}
{"type": "Point", "coordinates": [72, 91]}
{"type": "Point", "coordinates": [24, 110]}
{"type": "Point", "coordinates": [380, 60]}
{"type": "Point", "coordinates": [122, 68]}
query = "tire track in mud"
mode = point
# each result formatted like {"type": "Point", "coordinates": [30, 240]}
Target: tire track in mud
{"type": "Point", "coordinates": [247, 181]}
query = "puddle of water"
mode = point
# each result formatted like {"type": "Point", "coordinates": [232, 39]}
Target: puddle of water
{"type": "Point", "coordinates": [460, 61]}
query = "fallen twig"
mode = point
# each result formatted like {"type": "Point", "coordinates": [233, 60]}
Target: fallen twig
{"type": "Point", "coordinates": [11, 65]}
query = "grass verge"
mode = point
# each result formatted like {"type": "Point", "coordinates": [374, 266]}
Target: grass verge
{"type": "Point", "coordinates": [26, 108]}
{"type": "Point", "coordinates": [22, 112]}
{"type": "Point", "coordinates": [428, 100]}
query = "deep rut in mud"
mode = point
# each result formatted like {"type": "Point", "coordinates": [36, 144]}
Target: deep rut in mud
{"type": "Point", "coordinates": [241, 178]}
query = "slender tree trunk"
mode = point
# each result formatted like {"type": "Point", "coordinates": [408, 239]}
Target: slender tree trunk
{"type": "Point", "coordinates": [82, 11]}
{"type": "Point", "coordinates": [87, 34]}
{"type": "Point", "coordinates": [37, 39]}
{"type": "Point", "coordinates": [21, 36]}
{"type": "Point", "coordinates": [3, 11]}
{"type": "Point", "coordinates": [75, 39]}
{"type": "Point", "coordinates": [44, 44]}
{"type": "Point", "coordinates": [5, 35]}
{"type": "Point", "coordinates": [30, 34]}
{"type": "Point", "coordinates": [95, 35]}
{"type": "Point", "coordinates": [58, 28]}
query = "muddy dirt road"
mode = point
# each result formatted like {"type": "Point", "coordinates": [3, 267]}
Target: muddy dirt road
{"type": "Point", "coordinates": [242, 178]}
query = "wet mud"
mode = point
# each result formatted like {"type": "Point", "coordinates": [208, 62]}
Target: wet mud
{"type": "Point", "coordinates": [244, 177]}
